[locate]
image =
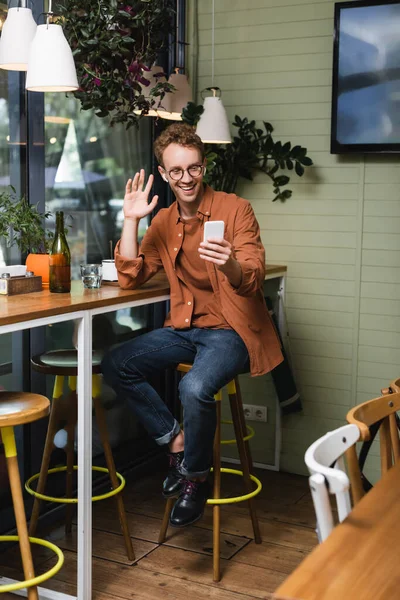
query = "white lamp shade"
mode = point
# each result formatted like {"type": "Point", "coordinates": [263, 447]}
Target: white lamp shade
{"type": "Point", "coordinates": [150, 75]}
{"type": "Point", "coordinates": [175, 102]}
{"type": "Point", "coordinates": [51, 66]}
{"type": "Point", "coordinates": [213, 126]}
{"type": "Point", "coordinates": [16, 37]}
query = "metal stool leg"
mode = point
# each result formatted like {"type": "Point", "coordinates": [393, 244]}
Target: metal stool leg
{"type": "Point", "coordinates": [244, 454]}
{"type": "Point", "coordinates": [8, 438]}
{"type": "Point", "coordinates": [72, 419]}
{"type": "Point", "coordinates": [165, 522]}
{"type": "Point", "coordinates": [217, 493]}
{"type": "Point", "coordinates": [102, 426]}
{"type": "Point", "coordinates": [48, 449]}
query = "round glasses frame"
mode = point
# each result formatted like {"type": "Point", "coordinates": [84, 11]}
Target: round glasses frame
{"type": "Point", "coordinates": [194, 171]}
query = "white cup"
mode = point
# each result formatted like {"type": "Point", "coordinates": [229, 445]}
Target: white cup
{"type": "Point", "coordinates": [109, 270]}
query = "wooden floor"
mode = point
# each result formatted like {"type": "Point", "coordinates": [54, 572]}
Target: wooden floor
{"type": "Point", "coordinates": [182, 567]}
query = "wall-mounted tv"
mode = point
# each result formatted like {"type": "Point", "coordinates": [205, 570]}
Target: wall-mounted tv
{"type": "Point", "coordinates": [366, 77]}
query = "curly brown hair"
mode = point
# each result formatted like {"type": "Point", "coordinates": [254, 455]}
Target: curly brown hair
{"type": "Point", "coordinates": [178, 133]}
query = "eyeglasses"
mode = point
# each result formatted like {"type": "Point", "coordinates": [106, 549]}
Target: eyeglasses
{"type": "Point", "coordinates": [194, 171]}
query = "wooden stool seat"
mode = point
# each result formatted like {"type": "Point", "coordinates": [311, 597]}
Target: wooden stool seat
{"type": "Point", "coordinates": [18, 408]}
{"type": "Point", "coordinates": [63, 362]}
{"type": "Point", "coordinates": [184, 367]}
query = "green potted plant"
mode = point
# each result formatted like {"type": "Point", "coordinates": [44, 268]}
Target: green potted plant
{"type": "Point", "coordinates": [252, 150]}
{"type": "Point", "coordinates": [22, 224]}
{"type": "Point", "coordinates": [114, 43]}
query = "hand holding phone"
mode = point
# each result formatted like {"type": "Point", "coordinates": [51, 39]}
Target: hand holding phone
{"type": "Point", "coordinates": [214, 229]}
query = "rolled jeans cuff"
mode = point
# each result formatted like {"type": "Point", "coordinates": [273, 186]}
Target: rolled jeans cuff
{"type": "Point", "coordinates": [165, 439]}
{"type": "Point", "coordinates": [192, 474]}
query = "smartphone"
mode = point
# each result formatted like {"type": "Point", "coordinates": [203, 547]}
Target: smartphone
{"type": "Point", "coordinates": [214, 229]}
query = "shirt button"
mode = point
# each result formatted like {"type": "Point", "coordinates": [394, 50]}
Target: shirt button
{"type": "Point", "coordinates": [189, 303]}
{"type": "Point", "coordinates": [179, 235]}
{"type": "Point", "coordinates": [175, 249]}
{"type": "Point", "coordinates": [207, 213]}
{"type": "Point", "coordinates": [186, 320]}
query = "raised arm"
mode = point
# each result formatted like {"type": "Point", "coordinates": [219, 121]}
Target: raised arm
{"type": "Point", "coordinates": [136, 207]}
{"type": "Point", "coordinates": [133, 268]}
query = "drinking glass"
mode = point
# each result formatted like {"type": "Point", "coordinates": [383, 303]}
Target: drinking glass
{"type": "Point", "coordinates": [91, 276]}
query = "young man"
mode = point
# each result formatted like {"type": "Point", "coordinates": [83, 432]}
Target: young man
{"type": "Point", "coordinates": [218, 319]}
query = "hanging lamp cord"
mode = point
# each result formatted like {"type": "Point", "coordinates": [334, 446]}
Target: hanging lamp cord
{"type": "Point", "coordinates": [49, 12]}
{"type": "Point", "coordinates": [212, 42]}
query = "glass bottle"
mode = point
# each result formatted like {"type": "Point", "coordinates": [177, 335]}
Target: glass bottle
{"type": "Point", "coordinates": [60, 259]}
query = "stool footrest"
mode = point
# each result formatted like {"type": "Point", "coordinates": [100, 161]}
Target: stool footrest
{"type": "Point", "coordinates": [13, 587]}
{"type": "Point", "coordinates": [234, 499]}
{"type": "Point", "coordinates": [250, 433]}
{"type": "Point", "coordinates": [113, 492]}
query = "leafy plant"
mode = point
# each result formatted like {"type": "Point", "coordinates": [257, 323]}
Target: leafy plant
{"type": "Point", "coordinates": [22, 224]}
{"type": "Point", "coordinates": [253, 149]}
{"type": "Point", "coordinates": [114, 42]}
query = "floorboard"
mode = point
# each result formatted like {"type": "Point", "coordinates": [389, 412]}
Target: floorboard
{"type": "Point", "coordinates": [182, 567]}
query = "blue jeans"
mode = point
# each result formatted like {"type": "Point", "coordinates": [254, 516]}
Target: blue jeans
{"type": "Point", "coordinates": [218, 355]}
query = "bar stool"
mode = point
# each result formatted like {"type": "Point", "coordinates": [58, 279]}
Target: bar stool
{"type": "Point", "coordinates": [242, 440]}
{"type": "Point", "coordinates": [61, 364]}
{"type": "Point", "coordinates": [19, 408]}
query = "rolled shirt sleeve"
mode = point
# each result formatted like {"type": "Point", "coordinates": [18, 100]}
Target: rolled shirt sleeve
{"type": "Point", "coordinates": [134, 272]}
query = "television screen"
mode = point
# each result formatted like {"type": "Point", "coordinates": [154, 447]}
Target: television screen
{"type": "Point", "coordinates": [366, 77]}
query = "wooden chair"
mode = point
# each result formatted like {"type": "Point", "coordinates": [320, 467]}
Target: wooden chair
{"type": "Point", "coordinates": [378, 414]}
{"type": "Point", "coordinates": [393, 388]}
{"type": "Point", "coordinates": [64, 364]}
{"type": "Point", "coordinates": [324, 460]}
{"type": "Point", "coordinates": [19, 408]}
{"type": "Point", "coordinates": [242, 440]}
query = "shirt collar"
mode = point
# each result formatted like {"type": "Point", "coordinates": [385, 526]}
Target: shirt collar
{"type": "Point", "coordinates": [204, 209]}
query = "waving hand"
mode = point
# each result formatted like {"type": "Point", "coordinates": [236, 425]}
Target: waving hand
{"type": "Point", "coordinates": [136, 204]}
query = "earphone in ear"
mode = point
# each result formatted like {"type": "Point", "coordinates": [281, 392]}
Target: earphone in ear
{"type": "Point", "coordinates": [165, 179]}
{"type": "Point", "coordinates": [205, 170]}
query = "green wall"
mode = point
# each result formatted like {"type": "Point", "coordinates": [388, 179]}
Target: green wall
{"type": "Point", "coordinates": [338, 234]}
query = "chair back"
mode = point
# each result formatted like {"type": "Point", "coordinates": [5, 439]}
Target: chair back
{"type": "Point", "coordinates": [382, 413]}
{"type": "Point", "coordinates": [324, 460]}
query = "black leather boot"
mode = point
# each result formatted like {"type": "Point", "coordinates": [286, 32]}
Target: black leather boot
{"type": "Point", "coordinates": [174, 481]}
{"type": "Point", "coordinates": [190, 505]}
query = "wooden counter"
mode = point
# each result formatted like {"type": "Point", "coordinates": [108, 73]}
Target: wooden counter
{"type": "Point", "coordinates": [360, 558]}
{"type": "Point", "coordinates": [24, 307]}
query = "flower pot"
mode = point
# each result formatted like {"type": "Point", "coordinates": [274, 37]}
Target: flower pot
{"type": "Point", "coordinates": [40, 265]}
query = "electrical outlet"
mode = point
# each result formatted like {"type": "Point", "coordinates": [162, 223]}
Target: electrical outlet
{"type": "Point", "coordinates": [255, 412]}
{"type": "Point", "coordinates": [248, 412]}
{"type": "Point", "coordinates": [260, 413]}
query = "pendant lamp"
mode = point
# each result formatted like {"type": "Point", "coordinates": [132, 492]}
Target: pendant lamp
{"type": "Point", "coordinates": [16, 37]}
{"type": "Point", "coordinates": [152, 77]}
{"type": "Point", "coordinates": [213, 125]}
{"type": "Point", "coordinates": [175, 102]}
{"type": "Point", "coordinates": [51, 66]}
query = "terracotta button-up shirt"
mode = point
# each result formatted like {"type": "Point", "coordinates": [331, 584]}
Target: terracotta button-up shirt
{"type": "Point", "coordinates": [203, 306]}
{"type": "Point", "coordinates": [242, 309]}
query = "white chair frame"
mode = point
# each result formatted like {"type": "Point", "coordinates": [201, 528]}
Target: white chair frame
{"type": "Point", "coordinates": [326, 479]}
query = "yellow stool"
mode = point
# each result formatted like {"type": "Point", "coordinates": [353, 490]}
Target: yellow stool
{"type": "Point", "coordinates": [242, 435]}
{"type": "Point", "coordinates": [19, 408]}
{"type": "Point", "coordinates": [61, 364]}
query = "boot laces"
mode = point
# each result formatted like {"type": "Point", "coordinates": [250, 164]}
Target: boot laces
{"type": "Point", "coordinates": [175, 459]}
{"type": "Point", "coordinates": [191, 487]}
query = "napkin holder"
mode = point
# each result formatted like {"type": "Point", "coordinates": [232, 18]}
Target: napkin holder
{"type": "Point", "coordinates": [11, 286]}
